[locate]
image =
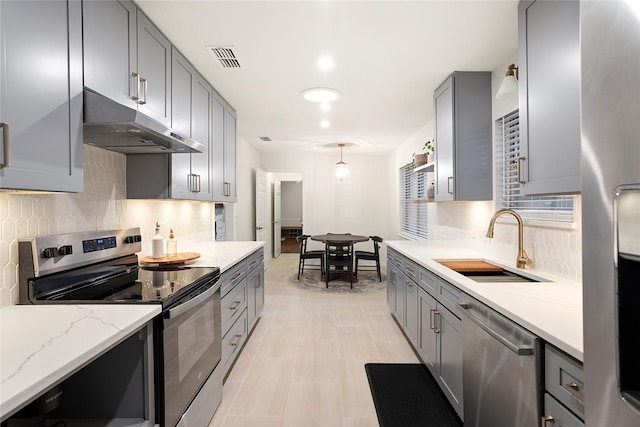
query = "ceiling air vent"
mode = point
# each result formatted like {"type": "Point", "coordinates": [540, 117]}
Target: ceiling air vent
{"type": "Point", "coordinates": [225, 55]}
{"type": "Point", "coordinates": [265, 138]}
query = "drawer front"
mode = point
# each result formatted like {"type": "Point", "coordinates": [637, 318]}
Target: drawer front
{"type": "Point", "coordinates": [562, 417]}
{"type": "Point", "coordinates": [255, 259]}
{"type": "Point", "coordinates": [411, 270]}
{"type": "Point", "coordinates": [449, 296]}
{"type": "Point", "coordinates": [394, 258]}
{"type": "Point", "coordinates": [232, 342]}
{"type": "Point", "coordinates": [232, 277]}
{"type": "Point", "coordinates": [427, 281]}
{"type": "Point", "coordinates": [564, 379]}
{"type": "Point", "coordinates": [233, 304]}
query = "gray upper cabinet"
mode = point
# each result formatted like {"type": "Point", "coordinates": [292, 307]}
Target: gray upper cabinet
{"type": "Point", "coordinates": [224, 151]}
{"type": "Point", "coordinates": [462, 111]}
{"type": "Point", "coordinates": [127, 59]}
{"type": "Point", "coordinates": [191, 112]}
{"type": "Point", "coordinates": [549, 56]}
{"type": "Point", "coordinates": [183, 176]}
{"type": "Point", "coordinates": [41, 95]}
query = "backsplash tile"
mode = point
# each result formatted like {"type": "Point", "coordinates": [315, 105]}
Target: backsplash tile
{"type": "Point", "coordinates": [554, 250]}
{"type": "Point", "coordinates": [102, 205]}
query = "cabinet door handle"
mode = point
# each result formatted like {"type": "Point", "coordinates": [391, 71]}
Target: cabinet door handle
{"type": "Point", "coordinates": [431, 311]}
{"type": "Point", "coordinates": [197, 183]}
{"type": "Point", "coordinates": [236, 340]}
{"type": "Point", "coordinates": [144, 84]}
{"type": "Point", "coordinates": [547, 419]}
{"type": "Point", "coordinates": [449, 183]}
{"type": "Point", "coordinates": [436, 314]}
{"type": "Point", "coordinates": [227, 188]}
{"type": "Point", "coordinates": [574, 389]}
{"type": "Point", "coordinates": [258, 285]}
{"type": "Point", "coordinates": [136, 76]}
{"type": "Point", "coordinates": [5, 145]}
{"type": "Point", "coordinates": [519, 170]}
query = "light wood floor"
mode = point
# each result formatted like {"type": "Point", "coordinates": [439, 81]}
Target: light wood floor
{"type": "Point", "coordinates": [304, 363]}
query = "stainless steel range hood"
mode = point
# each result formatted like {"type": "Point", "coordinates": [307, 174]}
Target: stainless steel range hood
{"type": "Point", "coordinates": [116, 127]}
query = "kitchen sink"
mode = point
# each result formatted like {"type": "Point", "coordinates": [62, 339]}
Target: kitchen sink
{"type": "Point", "coordinates": [482, 271]}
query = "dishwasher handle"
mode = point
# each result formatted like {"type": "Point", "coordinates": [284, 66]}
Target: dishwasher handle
{"type": "Point", "coordinates": [519, 349]}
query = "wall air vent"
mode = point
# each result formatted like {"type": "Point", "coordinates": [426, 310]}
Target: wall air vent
{"type": "Point", "coordinates": [226, 56]}
{"type": "Point", "coordinates": [265, 138]}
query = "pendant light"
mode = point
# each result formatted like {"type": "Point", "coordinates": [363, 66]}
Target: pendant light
{"type": "Point", "coordinates": [342, 170]}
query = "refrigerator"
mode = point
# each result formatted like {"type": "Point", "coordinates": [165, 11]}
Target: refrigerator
{"type": "Point", "coordinates": [610, 102]}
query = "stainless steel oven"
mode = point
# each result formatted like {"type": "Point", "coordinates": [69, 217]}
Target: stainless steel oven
{"type": "Point", "coordinates": [102, 267]}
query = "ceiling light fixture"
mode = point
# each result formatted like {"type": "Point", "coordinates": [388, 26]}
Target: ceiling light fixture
{"type": "Point", "coordinates": [325, 63]}
{"type": "Point", "coordinates": [320, 94]}
{"type": "Point", "coordinates": [342, 170]}
{"type": "Point", "coordinates": [509, 84]}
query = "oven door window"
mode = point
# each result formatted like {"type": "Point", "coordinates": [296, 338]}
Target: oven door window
{"type": "Point", "coordinates": [192, 349]}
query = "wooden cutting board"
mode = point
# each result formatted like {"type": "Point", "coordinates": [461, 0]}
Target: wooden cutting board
{"type": "Point", "coordinates": [471, 265]}
{"type": "Point", "coordinates": [180, 258]}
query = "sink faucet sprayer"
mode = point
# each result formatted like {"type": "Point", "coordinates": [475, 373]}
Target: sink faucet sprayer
{"type": "Point", "coordinates": [522, 259]}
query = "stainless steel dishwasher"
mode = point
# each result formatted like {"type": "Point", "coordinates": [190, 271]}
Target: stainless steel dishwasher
{"type": "Point", "coordinates": [502, 365]}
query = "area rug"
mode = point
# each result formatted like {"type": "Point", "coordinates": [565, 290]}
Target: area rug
{"type": "Point", "coordinates": [311, 281]}
{"type": "Point", "coordinates": [406, 395]}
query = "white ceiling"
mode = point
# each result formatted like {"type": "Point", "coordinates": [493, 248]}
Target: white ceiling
{"type": "Point", "coordinates": [389, 57]}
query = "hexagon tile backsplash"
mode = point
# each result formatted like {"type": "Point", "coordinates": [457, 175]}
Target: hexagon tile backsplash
{"type": "Point", "coordinates": [101, 206]}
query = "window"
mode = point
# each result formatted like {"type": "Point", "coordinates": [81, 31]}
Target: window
{"type": "Point", "coordinates": [545, 208]}
{"type": "Point", "coordinates": [413, 202]}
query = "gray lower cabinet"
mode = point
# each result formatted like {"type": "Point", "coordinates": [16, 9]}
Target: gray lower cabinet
{"type": "Point", "coordinates": [41, 95]}
{"type": "Point", "coordinates": [224, 151]}
{"type": "Point", "coordinates": [564, 390]}
{"type": "Point", "coordinates": [242, 291]}
{"type": "Point", "coordinates": [440, 347]}
{"type": "Point", "coordinates": [425, 306]}
{"type": "Point", "coordinates": [462, 122]}
{"type": "Point", "coordinates": [127, 59]}
{"type": "Point", "coordinates": [549, 86]}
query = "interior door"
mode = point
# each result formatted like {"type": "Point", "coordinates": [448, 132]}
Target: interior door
{"type": "Point", "coordinates": [261, 205]}
{"type": "Point", "coordinates": [277, 217]}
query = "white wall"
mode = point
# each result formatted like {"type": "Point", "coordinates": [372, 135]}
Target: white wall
{"type": "Point", "coordinates": [358, 205]}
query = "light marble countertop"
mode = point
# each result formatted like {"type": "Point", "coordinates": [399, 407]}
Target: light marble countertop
{"type": "Point", "coordinates": [223, 254]}
{"type": "Point", "coordinates": [41, 345]}
{"type": "Point", "coordinates": [551, 309]}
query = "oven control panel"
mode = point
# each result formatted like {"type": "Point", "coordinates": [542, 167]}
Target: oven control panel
{"type": "Point", "coordinates": [49, 254]}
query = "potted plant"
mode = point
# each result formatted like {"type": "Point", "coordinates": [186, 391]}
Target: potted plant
{"type": "Point", "coordinates": [426, 156]}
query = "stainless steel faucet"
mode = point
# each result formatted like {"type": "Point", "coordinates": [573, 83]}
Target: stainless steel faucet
{"type": "Point", "coordinates": [522, 259]}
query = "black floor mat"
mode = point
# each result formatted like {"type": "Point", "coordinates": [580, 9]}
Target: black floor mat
{"type": "Point", "coordinates": [406, 395]}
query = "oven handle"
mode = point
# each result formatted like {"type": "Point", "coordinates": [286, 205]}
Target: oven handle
{"type": "Point", "coordinates": [183, 308]}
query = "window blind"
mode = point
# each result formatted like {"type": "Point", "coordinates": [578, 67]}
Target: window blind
{"type": "Point", "coordinates": [413, 202]}
{"type": "Point", "coordinates": [508, 193]}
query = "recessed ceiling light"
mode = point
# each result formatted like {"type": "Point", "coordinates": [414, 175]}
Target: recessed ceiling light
{"type": "Point", "coordinates": [325, 106]}
{"type": "Point", "coordinates": [324, 123]}
{"type": "Point", "coordinates": [320, 94]}
{"type": "Point", "coordinates": [325, 63]}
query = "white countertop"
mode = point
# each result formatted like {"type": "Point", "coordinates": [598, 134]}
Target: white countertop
{"type": "Point", "coordinates": [222, 254]}
{"type": "Point", "coordinates": [41, 345]}
{"type": "Point", "coordinates": [551, 309]}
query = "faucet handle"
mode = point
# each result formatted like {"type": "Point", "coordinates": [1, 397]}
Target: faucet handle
{"type": "Point", "coordinates": [526, 259]}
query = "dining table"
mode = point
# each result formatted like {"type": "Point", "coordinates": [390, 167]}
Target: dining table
{"type": "Point", "coordinates": [339, 238]}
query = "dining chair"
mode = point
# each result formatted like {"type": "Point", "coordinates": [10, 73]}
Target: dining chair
{"type": "Point", "coordinates": [340, 256]}
{"type": "Point", "coordinates": [370, 256]}
{"type": "Point", "coordinates": [305, 255]}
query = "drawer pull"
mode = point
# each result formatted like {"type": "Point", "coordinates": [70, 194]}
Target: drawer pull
{"type": "Point", "coordinates": [408, 283]}
{"type": "Point", "coordinates": [235, 276]}
{"type": "Point", "coordinates": [410, 269]}
{"type": "Point", "coordinates": [235, 341]}
{"type": "Point", "coordinates": [574, 389]}
{"type": "Point", "coordinates": [547, 419]}
{"type": "Point", "coordinates": [237, 304]}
